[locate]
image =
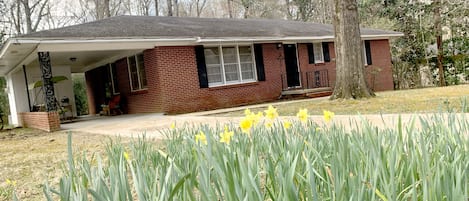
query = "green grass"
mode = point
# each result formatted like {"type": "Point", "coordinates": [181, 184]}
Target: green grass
{"type": "Point", "coordinates": [427, 100]}
{"type": "Point", "coordinates": [304, 162]}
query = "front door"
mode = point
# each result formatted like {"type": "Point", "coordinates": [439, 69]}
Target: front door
{"type": "Point", "coordinates": [291, 65]}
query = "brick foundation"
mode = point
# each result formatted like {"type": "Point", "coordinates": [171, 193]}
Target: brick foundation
{"type": "Point", "coordinates": [47, 121]}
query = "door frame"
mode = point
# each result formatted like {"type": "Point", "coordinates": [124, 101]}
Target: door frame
{"type": "Point", "coordinates": [297, 65]}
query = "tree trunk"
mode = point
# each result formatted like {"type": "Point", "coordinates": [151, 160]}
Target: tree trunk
{"type": "Point", "coordinates": [439, 41]}
{"type": "Point", "coordinates": [230, 9]}
{"type": "Point", "coordinates": [156, 8]}
{"type": "Point", "coordinates": [350, 78]}
{"type": "Point", "coordinates": [27, 15]}
{"type": "Point", "coordinates": [107, 10]}
{"type": "Point", "coordinates": [170, 7]}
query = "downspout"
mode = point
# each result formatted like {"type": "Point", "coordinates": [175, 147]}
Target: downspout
{"type": "Point", "coordinates": [27, 89]}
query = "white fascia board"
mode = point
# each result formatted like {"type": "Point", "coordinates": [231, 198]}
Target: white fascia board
{"type": "Point", "coordinates": [378, 37]}
{"type": "Point", "coordinates": [291, 39]}
{"type": "Point", "coordinates": [264, 39]}
{"type": "Point", "coordinates": [111, 44]}
{"type": "Point", "coordinates": [5, 47]}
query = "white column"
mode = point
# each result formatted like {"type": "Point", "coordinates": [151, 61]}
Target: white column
{"type": "Point", "coordinates": [13, 117]}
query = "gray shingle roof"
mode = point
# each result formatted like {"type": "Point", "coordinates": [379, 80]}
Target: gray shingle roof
{"type": "Point", "coordinates": [183, 27]}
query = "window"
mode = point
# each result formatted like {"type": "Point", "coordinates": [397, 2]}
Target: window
{"type": "Point", "coordinates": [138, 80]}
{"type": "Point", "coordinates": [229, 65]}
{"type": "Point", "coordinates": [113, 78]}
{"type": "Point", "coordinates": [367, 52]}
{"type": "Point", "coordinates": [318, 53]}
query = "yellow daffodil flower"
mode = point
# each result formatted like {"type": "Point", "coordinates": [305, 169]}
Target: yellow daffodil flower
{"type": "Point", "coordinates": [328, 115]}
{"type": "Point", "coordinates": [126, 156]}
{"type": "Point", "coordinates": [318, 129]}
{"type": "Point", "coordinates": [201, 138]}
{"type": "Point", "coordinates": [172, 126]}
{"type": "Point", "coordinates": [10, 182]}
{"type": "Point", "coordinates": [225, 137]}
{"type": "Point", "coordinates": [302, 115]}
{"type": "Point", "coordinates": [245, 124]}
{"type": "Point", "coordinates": [287, 124]}
{"type": "Point", "coordinates": [271, 113]}
{"type": "Point", "coordinates": [247, 112]}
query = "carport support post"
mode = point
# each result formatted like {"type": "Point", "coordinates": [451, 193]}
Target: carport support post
{"type": "Point", "coordinates": [47, 85]}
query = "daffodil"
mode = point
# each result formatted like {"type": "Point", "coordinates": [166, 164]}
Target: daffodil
{"type": "Point", "coordinates": [302, 115]}
{"type": "Point", "coordinates": [225, 137]}
{"type": "Point", "coordinates": [328, 115]}
{"type": "Point", "coordinates": [318, 129]}
{"type": "Point", "coordinates": [10, 182]}
{"type": "Point", "coordinates": [271, 113]}
{"type": "Point", "coordinates": [255, 118]}
{"type": "Point", "coordinates": [172, 126]}
{"type": "Point", "coordinates": [245, 124]}
{"type": "Point", "coordinates": [201, 138]}
{"type": "Point", "coordinates": [247, 112]}
{"type": "Point", "coordinates": [287, 124]}
{"type": "Point", "coordinates": [126, 156]}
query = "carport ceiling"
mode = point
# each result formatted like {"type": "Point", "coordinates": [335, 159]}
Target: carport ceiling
{"type": "Point", "coordinates": [84, 61]}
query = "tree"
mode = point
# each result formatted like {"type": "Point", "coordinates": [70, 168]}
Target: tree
{"type": "Point", "coordinates": [439, 40]}
{"type": "Point", "coordinates": [27, 15]}
{"type": "Point", "coordinates": [300, 9]}
{"type": "Point", "coordinates": [350, 78]}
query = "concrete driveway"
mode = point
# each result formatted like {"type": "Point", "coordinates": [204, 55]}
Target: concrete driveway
{"type": "Point", "coordinates": [133, 125]}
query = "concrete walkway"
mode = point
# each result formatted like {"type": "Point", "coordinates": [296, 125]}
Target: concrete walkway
{"type": "Point", "coordinates": [152, 124]}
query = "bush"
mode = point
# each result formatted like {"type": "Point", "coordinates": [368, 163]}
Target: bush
{"type": "Point", "coordinates": [264, 159]}
{"type": "Point", "coordinates": [79, 89]}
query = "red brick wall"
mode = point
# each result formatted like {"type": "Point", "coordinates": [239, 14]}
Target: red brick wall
{"type": "Point", "coordinates": [303, 62]}
{"type": "Point", "coordinates": [379, 74]}
{"type": "Point", "coordinates": [47, 121]}
{"type": "Point", "coordinates": [148, 100]}
{"type": "Point", "coordinates": [173, 83]}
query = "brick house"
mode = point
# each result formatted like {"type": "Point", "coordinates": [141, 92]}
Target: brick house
{"type": "Point", "coordinates": [175, 64]}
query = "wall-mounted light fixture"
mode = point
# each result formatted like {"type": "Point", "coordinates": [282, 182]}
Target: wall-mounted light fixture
{"type": "Point", "coordinates": [73, 59]}
{"type": "Point", "coordinates": [279, 45]}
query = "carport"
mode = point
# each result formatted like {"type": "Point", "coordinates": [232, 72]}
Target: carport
{"type": "Point", "coordinates": [25, 60]}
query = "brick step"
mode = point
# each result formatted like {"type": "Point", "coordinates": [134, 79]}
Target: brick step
{"type": "Point", "coordinates": [312, 93]}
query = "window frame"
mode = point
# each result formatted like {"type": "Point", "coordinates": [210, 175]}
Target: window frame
{"type": "Point", "coordinates": [322, 60]}
{"type": "Point", "coordinates": [140, 84]}
{"type": "Point", "coordinates": [365, 60]}
{"type": "Point", "coordinates": [240, 80]}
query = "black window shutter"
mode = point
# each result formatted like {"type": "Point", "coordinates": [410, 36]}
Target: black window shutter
{"type": "Point", "coordinates": [325, 50]}
{"type": "Point", "coordinates": [259, 62]}
{"type": "Point", "coordinates": [201, 66]}
{"type": "Point", "coordinates": [368, 52]}
{"type": "Point", "coordinates": [310, 53]}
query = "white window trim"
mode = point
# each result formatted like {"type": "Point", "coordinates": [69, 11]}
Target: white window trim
{"type": "Point", "coordinates": [112, 79]}
{"type": "Point", "coordinates": [365, 61]}
{"type": "Point", "coordinates": [316, 61]}
{"type": "Point", "coordinates": [140, 87]}
{"type": "Point", "coordinates": [238, 58]}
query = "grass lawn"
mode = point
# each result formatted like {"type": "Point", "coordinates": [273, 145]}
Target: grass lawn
{"type": "Point", "coordinates": [29, 157]}
{"type": "Point", "coordinates": [403, 101]}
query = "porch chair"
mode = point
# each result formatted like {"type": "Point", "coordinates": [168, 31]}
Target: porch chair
{"type": "Point", "coordinates": [114, 105]}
